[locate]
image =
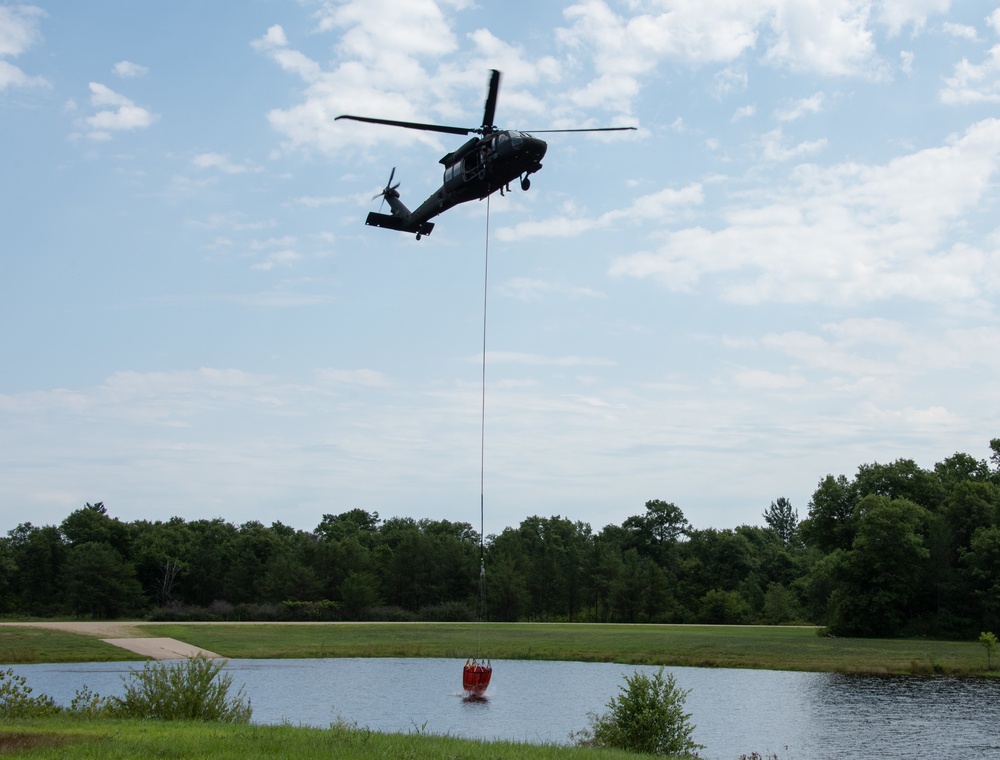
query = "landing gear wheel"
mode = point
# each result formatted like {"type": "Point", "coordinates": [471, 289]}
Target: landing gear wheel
{"type": "Point", "coordinates": [525, 183]}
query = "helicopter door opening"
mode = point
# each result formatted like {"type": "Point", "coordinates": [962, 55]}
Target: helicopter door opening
{"type": "Point", "coordinates": [471, 165]}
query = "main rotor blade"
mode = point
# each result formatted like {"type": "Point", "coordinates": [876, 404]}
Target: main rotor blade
{"type": "Point", "coordinates": [592, 129]}
{"type": "Point", "coordinates": [491, 99]}
{"type": "Point", "coordinates": [411, 125]}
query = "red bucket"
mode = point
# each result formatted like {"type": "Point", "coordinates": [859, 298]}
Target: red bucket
{"type": "Point", "coordinates": [476, 677]}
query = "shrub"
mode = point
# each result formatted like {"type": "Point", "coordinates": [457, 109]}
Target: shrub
{"type": "Point", "coordinates": [183, 690]}
{"type": "Point", "coordinates": [88, 704]}
{"type": "Point", "coordinates": [16, 700]}
{"type": "Point", "coordinates": [988, 641]}
{"type": "Point", "coordinates": [389, 614]}
{"type": "Point", "coordinates": [647, 716]}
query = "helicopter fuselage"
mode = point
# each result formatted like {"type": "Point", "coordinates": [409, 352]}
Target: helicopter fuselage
{"type": "Point", "coordinates": [480, 167]}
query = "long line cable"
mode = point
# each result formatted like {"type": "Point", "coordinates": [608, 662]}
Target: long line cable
{"type": "Point", "coordinates": [481, 614]}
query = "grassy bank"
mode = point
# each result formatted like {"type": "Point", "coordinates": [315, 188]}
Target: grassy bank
{"type": "Point", "coordinates": [775, 648]}
{"type": "Point", "coordinates": [72, 738]}
{"type": "Point", "coordinates": [28, 645]}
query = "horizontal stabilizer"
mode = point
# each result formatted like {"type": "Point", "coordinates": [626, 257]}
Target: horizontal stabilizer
{"type": "Point", "coordinates": [399, 223]}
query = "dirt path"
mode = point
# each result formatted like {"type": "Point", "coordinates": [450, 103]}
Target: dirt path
{"type": "Point", "coordinates": [126, 636]}
{"type": "Point", "coordinates": [99, 629]}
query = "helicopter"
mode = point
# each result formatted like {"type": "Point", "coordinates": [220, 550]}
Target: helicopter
{"type": "Point", "coordinates": [486, 163]}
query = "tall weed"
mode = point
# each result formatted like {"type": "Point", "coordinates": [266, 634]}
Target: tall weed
{"type": "Point", "coordinates": [191, 689]}
{"type": "Point", "coordinates": [16, 700]}
{"type": "Point", "coordinates": [647, 716]}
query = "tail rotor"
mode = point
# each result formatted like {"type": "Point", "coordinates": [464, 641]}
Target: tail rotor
{"type": "Point", "coordinates": [388, 191]}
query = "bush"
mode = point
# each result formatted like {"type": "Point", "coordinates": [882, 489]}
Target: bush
{"type": "Point", "coordinates": [182, 690]}
{"type": "Point", "coordinates": [988, 641]}
{"type": "Point", "coordinates": [16, 700]}
{"type": "Point", "coordinates": [389, 614]}
{"type": "Point", "coordinates": [647, 716]}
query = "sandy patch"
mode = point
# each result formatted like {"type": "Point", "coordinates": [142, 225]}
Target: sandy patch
{"type": "Point", "coordinates": [126, 636]}
{"type": "Point", "coordinates": [97, 629]}
{"type": "Point", "coordinates": [161, 649]}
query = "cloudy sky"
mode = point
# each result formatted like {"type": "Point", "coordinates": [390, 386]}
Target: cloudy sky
{"type": "Point", "coordinates": [790, 269]}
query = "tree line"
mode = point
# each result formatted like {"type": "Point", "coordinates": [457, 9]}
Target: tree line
{"type": "Point", "coordinates": [895, 550]}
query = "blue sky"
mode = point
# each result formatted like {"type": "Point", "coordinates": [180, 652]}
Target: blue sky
{"type": "Point", "coordinates": [790, 269]}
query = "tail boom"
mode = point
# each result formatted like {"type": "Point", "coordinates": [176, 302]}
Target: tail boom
{"type": "Point", "coordinates": [398, 223]}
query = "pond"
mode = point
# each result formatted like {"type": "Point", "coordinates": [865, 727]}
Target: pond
{"type": "Point", "coordinates": [804, 716]}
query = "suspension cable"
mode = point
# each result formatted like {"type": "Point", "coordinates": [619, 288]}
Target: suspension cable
{"type": "Point", "coordinates": [481, 613]}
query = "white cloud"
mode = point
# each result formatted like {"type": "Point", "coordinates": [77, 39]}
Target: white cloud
{"type": "Point", "coordinates": [848, 233]}
{"type": "Point", "coordinates": [353, 87]}
{"type": "Point", "coordinates": [829, 38]}
{"type": "Point", "coordinates": [274, 242]}
{"type": "Point", "coordinates": [18, 28]}
{"type": "Point", "coordinates": [960, 31]}
{"type": "Point", "coordinates": [18, 33]}
{"type": "Point", "coordinates": [799, 108]}
{"type": "Point", "coordinates": [614, 92]}
{"type": "Point", "coordinates": [317, 201]}
{"type": "Point", "coordinates": [514, 357]}
{"type": "Point", "coordinates": [994, 20]}
{"type": "Point", "coordinates": [129, 70]}
{"type": "Point", "coordinates": [897, 14]}
{"type": "Point", "coordinates": [659, 206]}
{"type": "Point", "coordinates": [382, 30]}
{"type": "Point", "coordinates": [906, 59]}
{"type": "Point", "coordinates": [368, 378]}
{"type": "Point", "coordinates": [774, 147]}
{"type": "Point", "coordinates": [275, 44]}
{"type": "Point", "coordinates": [286, 258]}
{"type": "Point", "coordinates": [220, 162]}
{"type": "Point", "coordinates": [380, 60]}
{"type": "Point", "coordinates": [973, 83]}
{"type": "Point", "coordinates": [119, 113]}
{"type": "Point", "coordinates": [760, 379]}
{"type": "Point", "coordinates": [875, 360]}
{"type": "Point", "coordinates": [128, 384]}
{"type": "Point", "coordinates": [533, 289]}
{"type": "Point", "coordinates": [729, 80]}
{"type": "Point", "coordinates": [710, 31]}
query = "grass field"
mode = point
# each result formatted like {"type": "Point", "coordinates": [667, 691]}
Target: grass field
{"type": "Point", "coordinates": [73, 739]}
{"type": "Point", "coordinates": [27, 645]}
{"type": "Point", "coordinates": [775, 648]}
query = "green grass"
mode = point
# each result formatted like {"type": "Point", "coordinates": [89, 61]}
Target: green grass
{"type": "Point", "coordinates": [779, 648]}
{"type": "Point", "coordinates": [22, 645]}
{"type": "Point", "coordinates": [774, 648]}
{"type": "Point", "coordinates": [70, 738]}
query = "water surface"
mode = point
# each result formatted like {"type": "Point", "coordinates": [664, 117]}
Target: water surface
{"type": "Point", "coordinates": [804, 716]}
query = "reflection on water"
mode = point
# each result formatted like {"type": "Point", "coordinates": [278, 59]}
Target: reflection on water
{"type": "Point", "coordinates": [804, 716]}
{"type": "Point", "coordinates": [912, 717]}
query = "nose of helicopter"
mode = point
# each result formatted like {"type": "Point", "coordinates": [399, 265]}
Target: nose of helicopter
{"type": "Point", "coordinates": [536, 148]}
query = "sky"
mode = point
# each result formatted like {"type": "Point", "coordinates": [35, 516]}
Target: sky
{"type": "Point", "coordinates": [791, 268]}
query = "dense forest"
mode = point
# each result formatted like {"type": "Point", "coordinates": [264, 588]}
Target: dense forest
{"type": "Point", "coordinates": [897, 550]}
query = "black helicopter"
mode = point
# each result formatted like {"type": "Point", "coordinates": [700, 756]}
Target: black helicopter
{"type": "Point", "coordinates": [485, 164]}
